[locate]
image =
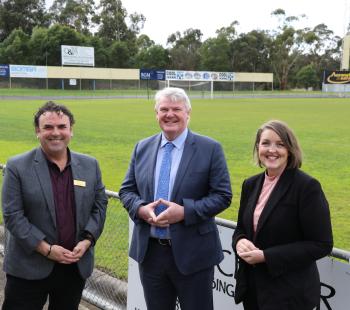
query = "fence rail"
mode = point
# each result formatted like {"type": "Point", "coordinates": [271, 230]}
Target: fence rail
{"type": "Point", "coordinates": [107, 287]}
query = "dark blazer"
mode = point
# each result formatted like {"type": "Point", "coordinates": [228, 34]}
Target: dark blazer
{"type": "Point", "coordinates": [294, 230]}
{"type": "Point", "coordinates": [202, 186]}
{"type": "Point", "coordinates": [29, 212]}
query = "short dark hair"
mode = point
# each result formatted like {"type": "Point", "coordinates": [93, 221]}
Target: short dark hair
{"type": "Point", "coordinates": [288, 138]}
{"type": "Point", "coordinates": [51, 106]}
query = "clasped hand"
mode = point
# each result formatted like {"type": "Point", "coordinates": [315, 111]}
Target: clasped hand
{"type": "Point", "coordinates": [247, 251]}
{"type": "Point", "coordinates": [174, 213]}
{"type": "Point", "coordinates": [63, 255]}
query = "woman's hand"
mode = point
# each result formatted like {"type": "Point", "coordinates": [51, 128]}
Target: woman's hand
{"type": "Point", "coordinates": [249, 252]}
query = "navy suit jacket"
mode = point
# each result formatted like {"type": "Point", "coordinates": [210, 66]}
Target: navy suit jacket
{"type": "Point", "coordinates": [294, 230]}
{"type": "Point", "coordinates": [29, 212]}
{"type": "Point", "coordinates": [202, 186]}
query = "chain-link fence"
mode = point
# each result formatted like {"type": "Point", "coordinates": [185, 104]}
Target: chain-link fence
{"type": "Point", "coordinates": [107, 287]}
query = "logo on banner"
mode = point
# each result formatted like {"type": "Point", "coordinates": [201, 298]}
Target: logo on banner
{"type": "Point", "coordinates": [337, 77]}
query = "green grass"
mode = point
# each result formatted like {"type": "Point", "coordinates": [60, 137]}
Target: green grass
{"type": "Point", "coordinates": [142, 91]}
{"type": "Point", "coordinates": [109, 128]}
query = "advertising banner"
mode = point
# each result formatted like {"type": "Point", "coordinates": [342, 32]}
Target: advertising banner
{"type": "Point", "coordinates": [23, 71]}
{"type": "Point", "coordinates": [335, 281]}
{"type": "Point", "coordinates": [336, 77]}
{"type": "Point", "coordinates": [150, 74]}
{"type": "Point", "coordinates": [181, 75]}
{"type": "Point", "coordinates": [4, 70]}
{"type": "Point", "coordinates": [77, 56]}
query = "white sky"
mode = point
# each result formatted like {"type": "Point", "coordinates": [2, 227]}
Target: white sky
{"type": "Point", "coordinates": [164, 17]}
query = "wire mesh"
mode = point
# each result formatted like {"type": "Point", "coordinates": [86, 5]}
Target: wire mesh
{"type": "Point", "coordinates": [107, 286]}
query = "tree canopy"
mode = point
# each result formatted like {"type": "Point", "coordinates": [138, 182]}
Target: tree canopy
{"type": "Point", "coordinates": [32, 34]}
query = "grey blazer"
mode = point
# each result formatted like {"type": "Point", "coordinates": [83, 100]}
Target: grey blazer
{"type": "Point", "coordinates": [202, 186]}
{"type": "Point", "coordinates": [29, 212]}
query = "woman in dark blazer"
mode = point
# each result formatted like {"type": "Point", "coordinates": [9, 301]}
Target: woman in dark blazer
{"type": "Point", "coordinates": [283, 228]}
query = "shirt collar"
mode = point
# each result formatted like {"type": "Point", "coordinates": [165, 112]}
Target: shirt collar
{"type": "Point", "coordinates": [178, 142]}
{"type": "Point", "coordinates": [52, 164]}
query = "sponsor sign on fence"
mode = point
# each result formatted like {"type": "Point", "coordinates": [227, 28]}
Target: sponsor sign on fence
{"type": "Point", "coordinates": [336, 77]}
{"type": "Point", "coordinates": [335, 281]}
{"type": "Point", "coordinates": [23, 71]}
{"type": "Point", "coordinates": [4, 70]}
{"type": "Point", "coordinates": [181, 75]}
{"type": "Point", "coordinates": [149, 74]}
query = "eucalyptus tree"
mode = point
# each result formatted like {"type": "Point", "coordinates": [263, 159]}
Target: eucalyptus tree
{"type": "Point", "coordinates": [286, 48]}
{"type": "Point", "coordinates": [24, 14]}
{"type": "Point", "coordinates": [251, 52]}
{"type": "Point", "coordinates": [153, 57]}
{"type": "Point", "coordinates": [77, 14]}
{"type": "Point", "coordinates": [217, 53]}
{"type": "Point", "coordinates": [184, 49]}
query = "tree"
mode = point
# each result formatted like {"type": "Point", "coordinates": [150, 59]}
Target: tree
{"type": "Point", "coordinates": [286, 47]}
{"type": "Point", "coordinates": [143, 42]}
{"type": "Point", "coordinates": [112, 19]}
{"type": "Point", "coordinates": [307, 77]}
{"type": "Point", "coordinates": [153, 57]}
{"type": "Point", "coordinates": [215, 54]}
{"type": "Point", "coordinates": [24, 14]}
{"type": "Point", "coordinates": [184, 53]}
{"type": "Point", "coordinates": [38, 46]}
{"type": "Point", "coordinates": [251, 52]}
{"type": "Point", "coordinates": [14, 49]}
{"type": "Point", "coordinates": [74, 13]}
{"type": "Point", "coordinates": [119, 56]}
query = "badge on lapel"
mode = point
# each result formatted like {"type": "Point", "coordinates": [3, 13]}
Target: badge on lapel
{"type": "Point", "coordinates": [79, 183]}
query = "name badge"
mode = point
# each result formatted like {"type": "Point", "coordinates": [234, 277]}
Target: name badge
{"type": "Point", "coordinates": [79, 183]}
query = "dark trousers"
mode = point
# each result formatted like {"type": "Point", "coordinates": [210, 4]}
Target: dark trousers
{"type": "Point", "coordinates": [63, 286]}
{"type": "Point", "coordinates": [162, 282]}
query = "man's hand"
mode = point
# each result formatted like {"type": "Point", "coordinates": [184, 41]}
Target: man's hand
{"type": "Point", "coordinates": [81, 247]}
{"type": "Point", "coordinates": [62, 255]}
{"type": "Point", "coordinates": [57, 253]}
{"type": "Point", "coordinates": [147, 212]}
{"type": "Point", "coordinates": [173, 214]}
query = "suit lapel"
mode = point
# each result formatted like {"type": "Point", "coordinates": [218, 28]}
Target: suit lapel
{"type": "Point", "coordinates": [42, 171]}
{"type": "Point", "coordinates": [188, 152]}
{"type": "Point", "coordinates": [252, 201]}
{"type": "Point", "coordinates": [278, 192]}
{"type": "Point", "coordinates": [154, 147]}
{"type": "Point", "coordinates": [77, 174]}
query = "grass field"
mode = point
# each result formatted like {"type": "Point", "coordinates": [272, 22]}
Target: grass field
{"type": "Point", "coordinates": [109, 128]}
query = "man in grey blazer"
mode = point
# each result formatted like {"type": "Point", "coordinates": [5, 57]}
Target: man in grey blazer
{"type": "Point", "coordinates": [54, 209]}
{"type": "Point", "coordinates": [177, 248]}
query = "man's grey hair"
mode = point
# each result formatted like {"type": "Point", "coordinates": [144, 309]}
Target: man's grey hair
{"type": "Point", "coordinates": [174, 94]}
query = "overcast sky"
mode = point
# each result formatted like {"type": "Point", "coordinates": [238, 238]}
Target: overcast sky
{"type": "Point", "coordinates": [164, 17]}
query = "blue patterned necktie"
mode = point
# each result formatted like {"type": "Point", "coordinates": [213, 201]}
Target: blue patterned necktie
{"type": "Point", "coordinates": [163, 185]}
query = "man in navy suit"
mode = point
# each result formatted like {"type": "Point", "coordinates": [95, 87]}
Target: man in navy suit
{"type": "Point", "coordinates": [54, 208]}
{"type": "Point", "coordinates": [178, 262]}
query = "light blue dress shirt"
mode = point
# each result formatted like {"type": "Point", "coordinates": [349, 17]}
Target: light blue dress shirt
{"type": "Point", "coordinates": [176, 156]}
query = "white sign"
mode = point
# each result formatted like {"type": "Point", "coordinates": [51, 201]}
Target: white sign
{"type": "Point", "coordinates": [73, 82]}
{"type": "Point", "coordinates": [335, 280]}
{"type": "Point", "coordinates": [180, 75]}
{"type": "Point", "coordinates": [22, 71]}
{"type": "Point", "coordinates": [77, 56]}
